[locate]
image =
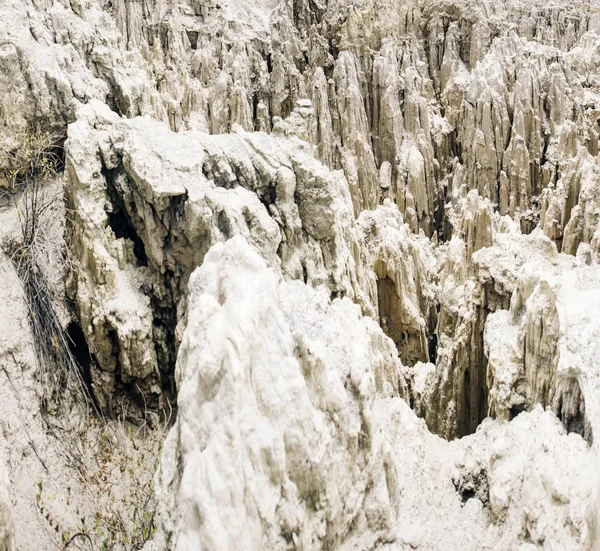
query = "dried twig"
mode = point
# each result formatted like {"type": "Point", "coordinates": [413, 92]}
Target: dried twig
{"type": "Point", "coordinates": [78, 535]}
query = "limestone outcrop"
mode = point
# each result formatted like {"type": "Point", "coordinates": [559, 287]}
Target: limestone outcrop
{"type": "Point", "coordinates": [488, 331]}
{"type": "Point", "coordinates": [569, 210]}
{"type": "Point", "coordinates": [317, 459]}
{"type": "Point", "coordinates": [454, 399]}
{"type": "Point", "coordinates": [507, 93]}
{"type": "Point", "coordinates": [419, 89]}
{"type": "Point", "coordinates": [403, 267]}
{"type": "Point", "coordinates": [149, 203]}
{"type": "Point", "coordinates": [540, 356]}
{"type": "Point", "coordinates": [56, 55]}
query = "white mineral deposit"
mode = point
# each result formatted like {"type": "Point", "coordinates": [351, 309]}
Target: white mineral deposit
{"type": "Point", "coordinates": [313, 275]}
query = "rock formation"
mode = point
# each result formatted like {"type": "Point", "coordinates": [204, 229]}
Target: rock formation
{"type": "Point", "coordinates": [148, 204]}
{"type": "Point", "coordinates": [456, 397]}
{"type": "Point", "coordinates": [542, 339]}
{"type": "Point", "coordinates": [298, 452]}
{"type": "Point", "coordinates": [322, 231]}
{"type": "Point", "coordinates": [322, 452]}
{"type": "Point", "coordinates": [403, 266]}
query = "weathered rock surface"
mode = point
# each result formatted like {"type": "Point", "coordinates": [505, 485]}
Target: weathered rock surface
{"type": "Point", "coordinates": [149, 203]}
{"type": "Point", "coordinates": [403, 266]}
{"type": "Point", "coordinates": [570, 210]}
{"type": "Point", "coordinates": [488, 329]}
{"type": "Point", "coordinates": [454, 400]}
{"type": "Point", "coordinates": [7, 536]}
{"type": "Point", "coordinates": [55, 55]}
{"type": "Point", "coordinates": [294, 218]}
{"type": "Point", "coordinates": [316, 463]}
{"type": "Point", "coordinates": [546, 354]}
{"type": "Point", "coordinates": [292, 433]}
{"type": "Point", "coordinates": [417, 90]}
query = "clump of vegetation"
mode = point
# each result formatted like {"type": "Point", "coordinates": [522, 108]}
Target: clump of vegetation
{"type": "Point", "coordinates": [35, 167]}
{"type": "Point", "coordinates": [37, 162]}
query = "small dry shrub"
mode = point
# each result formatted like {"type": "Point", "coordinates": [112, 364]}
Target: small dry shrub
{"type": "Point", "coordinates": [35, 166]}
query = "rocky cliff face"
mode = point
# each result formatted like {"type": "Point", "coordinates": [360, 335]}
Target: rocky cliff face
{"type": "Point", "coordinates": [268, 458]}
{"type": "Point", "coordinates": [306, 223]}
{"type": "Point", "coordinates": [543, 334]}
{"type": "Point", "coordinates": [403, 93]}
{"type": "Point", "coordinates": [322, 452]}
{"type": "Point", "coordinates": [304, 450]}
{"type": "Point", "coordinates": [148, 204]}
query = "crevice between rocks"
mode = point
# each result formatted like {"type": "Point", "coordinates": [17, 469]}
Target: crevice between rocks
{"type": "Point", "coordinates": [465, 385]}
{"type": "Point", "coordinates": [125, 396]}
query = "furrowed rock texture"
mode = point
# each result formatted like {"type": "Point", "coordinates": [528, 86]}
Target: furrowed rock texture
{"type": "Point", "coordinates": [540, 350]}
{"type": "Point", "coordinates": [488, 271]}
{"type": "Point", "coordinates": [149, 203]}
{"type": "Point", "coordinates": [267, 457]}
{"type": "Point", "coordinates": [404, 267]}
{"type": "Point", "coordinates": [57, 54]}
{"type": "Point", "coordinates": [570, 213]}
{"type": "Point", "coordinates": [292, 433]}
{"type": "Point", "coordinates": [417, 89]}
{"type": "Point", "coordinates": [454, 400]}
{"type": "Point", "coordinates": [405, 94]}
{"type": "Point", "coordinates": [420, 87]}
{"type": "Point", "coordinates": [502, 262]}
{"type": "Point", "coordinates": [300, 217]}
{"type": "Point", "coordinates": [414, 101]}
{"type": "Point", "coordinates": [511, 329]}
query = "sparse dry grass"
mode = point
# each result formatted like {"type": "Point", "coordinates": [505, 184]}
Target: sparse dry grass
{"type": "Point", "coordinates": [113, 461]}
{"type": "Point", "coordinates": [37, 165]}
{"type": "Point", "coordinates": [119, 466]}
